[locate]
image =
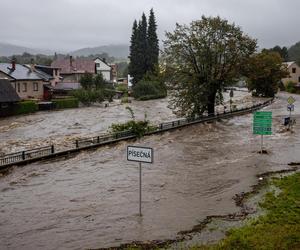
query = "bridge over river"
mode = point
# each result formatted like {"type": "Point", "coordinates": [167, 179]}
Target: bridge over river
{"type": "Point", "coordinates": [91, 200]}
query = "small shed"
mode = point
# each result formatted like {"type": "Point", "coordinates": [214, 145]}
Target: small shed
{"type": "Point", "coordinates": [8, 98]}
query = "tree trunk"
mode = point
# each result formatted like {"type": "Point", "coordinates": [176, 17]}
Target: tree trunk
{"type": "Point", "coordinates": [211, 103]}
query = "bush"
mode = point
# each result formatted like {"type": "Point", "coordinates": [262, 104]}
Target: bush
{"type": "Point", "coordinates": [25, 107]}
{"type": "Point", "coordinates": [66, 103]}
{"type": "Point", "coordinates": [88, 96]}
{"type": "Point", "coordinates": [291, 87]}
{"type": "Point", "coordinates": [123, 88]}
{"type": "Point", "coordinates": [146, 90]}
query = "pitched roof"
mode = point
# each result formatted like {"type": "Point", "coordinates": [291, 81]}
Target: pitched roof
{"type": "Point", "coordinates": [288, 64]}
{"type": "Point", "coordinates": [21, 72]}
{"type": "Point", "coordinates": [7, 92]}
{"type": "Point", "coordinates": [67, 86]}
{"type": "Point", "coordinates": [78, 65]}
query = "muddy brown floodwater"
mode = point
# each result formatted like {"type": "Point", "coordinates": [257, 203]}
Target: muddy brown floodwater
{"type": "Point", "coordinates": [91, 200]}
{"type": "Point", "coordinates": [63, 127]}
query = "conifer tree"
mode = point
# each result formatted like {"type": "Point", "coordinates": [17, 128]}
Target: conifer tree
{"type": "Point", "coordinates": [133, 52]}
{"type": "Point", "coordinates": [153, 46]}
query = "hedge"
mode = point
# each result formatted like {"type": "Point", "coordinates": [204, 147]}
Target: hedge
{"type": "Point", "coordinates": [25, 107]}
{"type": "Point", "coordinates": [66, 103]}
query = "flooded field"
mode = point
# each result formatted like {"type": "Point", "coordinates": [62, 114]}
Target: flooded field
{"type": "Point", "coordinates": [63, 127]}
{"type": "Point", "coordinates": [90, 200]}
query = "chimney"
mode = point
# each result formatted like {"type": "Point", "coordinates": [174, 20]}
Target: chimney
{"type": "Point", "coordinates": [71, 61]}
{"type": "Point", "coordinates": [13, 65]}
{"type": "Point", "coordinates": [32, 64]}
{"type": "Point", "coordinates": [104, 60]}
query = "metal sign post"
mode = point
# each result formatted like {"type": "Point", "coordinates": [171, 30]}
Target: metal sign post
{"type": "Point", "coordinates": [290, 108]}
{"type": "Point", "coordinates": [140, 154]}
{"type": "Point", "coordinates": [262, 125]}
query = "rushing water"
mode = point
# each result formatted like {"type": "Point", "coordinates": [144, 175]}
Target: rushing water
{"type": "Point", "coordinates": [90, 200]}
{"type": "Point", "coordinates": [63, 127]}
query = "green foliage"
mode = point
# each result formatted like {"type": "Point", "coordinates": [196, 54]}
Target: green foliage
{"type": "Point", "coordinates": [66, 103]}
{"type": "Point", "coordinates": [139, 128]}
{"type": "Point", "coordinates": [144, 49]}
{"type": "Point", "coordinates": [123, 88]}
{"type": "Point", "coordinates": [88, 96]}
{"type": "Point", "coordinates": [279, 228]}
{"type": "Point", "coordinates": [152, 44]}
{"type": "Point", "coordinates": [146, 90]}
{"type": "Point", "coordinates": [291, 87]}
{"type": "Point", "coordinates": [283, 52]}
{"type": "Point", "coordinates": [87, 80]}
{"type": "Point", "coordinates": [294, 53]}
{"type": "Point", "coordinates": [94, 89]}
{"type": "Point", "coordinates": [25, 107]}
{"type": "Point", "coordinates": [265, 71]}
{"type": "Point", "coordinates": [27, 58]}
{"type": "Point", "coordinates": [201, 60]}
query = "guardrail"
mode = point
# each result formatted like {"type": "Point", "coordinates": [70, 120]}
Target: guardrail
{"type": "Point", "coordinates": [27, 156]}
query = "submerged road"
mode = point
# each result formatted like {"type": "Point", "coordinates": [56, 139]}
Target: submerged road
{"type": "Point", "coordinates": [91, 200]}
{"type": "Point", "coordinates": [63, 127]}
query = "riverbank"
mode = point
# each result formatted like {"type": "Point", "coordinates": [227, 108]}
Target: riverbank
{"type": "Point", "coordinates": [278, 228]}
{"type": "Point", "coordinates": [269, 219]}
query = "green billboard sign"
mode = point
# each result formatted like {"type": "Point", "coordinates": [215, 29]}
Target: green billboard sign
{"type": "Point", "coordinates": [262, 123]}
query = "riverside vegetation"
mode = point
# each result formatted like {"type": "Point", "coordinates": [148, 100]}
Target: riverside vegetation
{"type": "Point", "coordinates": [278, 228]}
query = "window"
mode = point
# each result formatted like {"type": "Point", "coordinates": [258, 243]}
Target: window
{"type": "Point", "coordinates": [55, 72]}
{"type": "Point", "coordinates": [19, 88]}
{"type": "Point", "coordinates": [293, 70]}
{"type": "Point", "coordinates": [24, 86]}
{"type": "Point", "coordinates": [97, 65]}
{"type": "Point", "coordinates": [299, 79]}
{"type": "Point", "coordinates": [35, 86]}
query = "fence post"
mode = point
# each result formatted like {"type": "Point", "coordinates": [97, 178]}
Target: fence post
{"type": "Point", "coordinates": [52, 149]}
{"type": "Point", "coordinates": [98, 139]}
{"type": "Point", "coordinates": [161, 126]}
{"type": "Point", "coordinates": [77, 144]}
{"type": "Point", "coordinates": [173, 123]}
{"type": "Point", "coordinates": [23, 155]}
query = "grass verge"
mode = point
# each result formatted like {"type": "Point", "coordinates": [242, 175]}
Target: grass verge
{"type": "Point", "coordinates": [279, 228]}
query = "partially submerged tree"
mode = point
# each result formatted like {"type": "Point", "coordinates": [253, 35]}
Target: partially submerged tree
{"type": "Point", "coordinates": [203, 58]}
{"type": "Point", "coordinates": [265, 71]}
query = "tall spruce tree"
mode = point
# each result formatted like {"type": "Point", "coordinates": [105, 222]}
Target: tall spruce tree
{"type": "Point", "coordinates": [153, 46]}
{"type": "Point", "coordinates": [142, 48]}
{"type": "Point", "coordinates": [133, 52]}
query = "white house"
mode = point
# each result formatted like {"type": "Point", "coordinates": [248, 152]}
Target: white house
{"type": "Point", "coordinates": [104, 68]}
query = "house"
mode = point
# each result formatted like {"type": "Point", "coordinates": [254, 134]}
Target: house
{"type": "Point", "coordinates": [109, 71]}
{"type": "Point", "coordinates": [27, 82]}
{"type": "Point", "coordinates": [53, 72]}
{"type": "Point", "coordinates": [294, 73]}
{"type": "Point", "coordinates": [8, 97]}
{"type": "Point", "coordinates": [72, 69]}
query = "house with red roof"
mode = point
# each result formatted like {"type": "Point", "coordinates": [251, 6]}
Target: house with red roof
{"type": "Point", "coordinates": [72, 69]}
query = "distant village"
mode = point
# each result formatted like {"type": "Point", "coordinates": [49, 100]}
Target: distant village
{"type": "Point", "coordinates": [42, 83]}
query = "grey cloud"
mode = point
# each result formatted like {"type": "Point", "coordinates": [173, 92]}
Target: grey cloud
{"type": "Point", "coordinates": [72, 24]}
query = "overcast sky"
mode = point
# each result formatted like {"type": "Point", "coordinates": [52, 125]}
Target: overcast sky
{"type": "Point", "coordinates": [72, 24]}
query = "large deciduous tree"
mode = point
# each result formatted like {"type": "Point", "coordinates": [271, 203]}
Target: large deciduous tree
{"type": "Point", "coordinates": [202, 58]}
{"type": "Point", "coordinates": [264, 71]}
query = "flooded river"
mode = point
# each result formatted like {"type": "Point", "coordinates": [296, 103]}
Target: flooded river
{"type": "Point", "coordinates": [63, 127]}
{"type": "Point", "coordinates": [90, 200]}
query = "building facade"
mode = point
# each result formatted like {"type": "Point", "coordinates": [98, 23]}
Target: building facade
{"type": "Point", "coordinates": [294, 73]}
{"type": "Point", "coordinates": [27, 83]}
